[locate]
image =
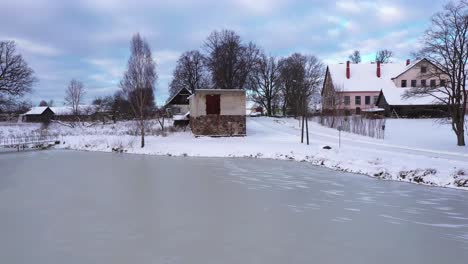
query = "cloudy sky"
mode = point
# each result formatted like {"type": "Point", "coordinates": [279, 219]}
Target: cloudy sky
{"type": "Point", "coordinates": [89, 39]}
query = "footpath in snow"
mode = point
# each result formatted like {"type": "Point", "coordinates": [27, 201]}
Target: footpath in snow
{"type": "Point", "coordinates": [429, 158]}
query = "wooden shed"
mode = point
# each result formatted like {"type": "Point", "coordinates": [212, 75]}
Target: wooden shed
{"type": "Point", "coordinates": [216, 112]}
{"type": "Point", "coordinates": [38, 114]}
{"type": "Point", "coordinates": [178, 104]}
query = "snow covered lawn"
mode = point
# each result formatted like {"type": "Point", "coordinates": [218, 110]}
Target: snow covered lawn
{"type": "Point", "coordinates": [416, 151]}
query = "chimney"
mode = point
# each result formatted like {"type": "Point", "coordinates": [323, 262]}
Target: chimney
{"type": "Point", "coordinates": [408, 62]}
{"type": "Point", "coordinates": [348, 70]}
{"type": "Point", "coordinates": [378, 69]}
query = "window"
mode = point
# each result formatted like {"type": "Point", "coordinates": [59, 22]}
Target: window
{"type": "Point", "coordinates": [213, 104]}
{"type": "Point", "coordinates": [357, 100]}
{"type": "Point", "coordinates": [375, 99]}
{"type": "Point", "coordinates": [423, 69]}
{"type": "Point", "coordinates": [423, 83]}
{"type": "Point", "coordinates": [367, 100]}
{"type": "Point", "coordinates": [433, 83]}
{"type": "Point", "coordinates": [347, 100]}
{"type": "Point", "coordinates": [403, 83]}
{"type": "Point", "coordinates": [442, 83]}
{"type": "Point", "coordinates": [413, 83]}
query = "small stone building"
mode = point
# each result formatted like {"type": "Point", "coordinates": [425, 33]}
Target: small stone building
{"type": "Point", "coordinates": [216, 112]}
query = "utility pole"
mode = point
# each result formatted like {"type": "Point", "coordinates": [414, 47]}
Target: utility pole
{"type": "Point", "coordinates": [302, 127]}
{"type": "Point", "coordinates": [305, 115]}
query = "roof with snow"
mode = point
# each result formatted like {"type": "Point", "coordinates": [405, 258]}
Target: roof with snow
{"type": "Point", "coordinates": [394, 96]}
{"type": "Point", "coordinates": [38, 110]}
{"type": "Point", "coordinates": [363, 76]}
{"type": "Point", "coordinates": [219, 90]}
{"type": "Point", "coordinates": [182, 92]}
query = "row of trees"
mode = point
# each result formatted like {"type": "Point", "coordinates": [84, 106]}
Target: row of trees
{"type": "Point", "coordinates": [382, 56]}
{"type": "Point", "coordinates": [227, 62]}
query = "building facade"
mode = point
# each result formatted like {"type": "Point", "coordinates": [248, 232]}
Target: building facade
{"type": "Point", "coordinates": [218, 112]}
{"type": "Point", "coordinates": [356, 88]}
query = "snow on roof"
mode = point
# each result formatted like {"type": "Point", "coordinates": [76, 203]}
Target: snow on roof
{"type": "Point", "coordinates": [173, 96]}
{"type": "Point", "coordinates": [218, 90]}
{"type": "Point", "coordinates": [36, 110]}
{"type": "Point", "coordinates": [373, 109]}
{"type": "Point", "coordinates": [61, 110]}
{"type": "Point", "coordinates": [364, 76]}
{"type": "Point", "coordinates": [181, 117]}
{"type": "Point", "coordinates": [394, 96]}
{"type": "Point", "coordinates": [67, 110]}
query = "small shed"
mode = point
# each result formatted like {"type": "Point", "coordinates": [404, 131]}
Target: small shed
{"type": "Point", "coordinates": [218, 112]}
{"type": "Point", "coordinates": [38, 114]}
{"type": "Point", "coordinates": [395, 104]}
{"type": "Point", "coordinates": [178, 104]}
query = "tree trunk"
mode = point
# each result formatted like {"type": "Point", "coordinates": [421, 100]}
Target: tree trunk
{"type": "Point", "coordinates": [460, 133]}
{"type": "Point", "coordinates": [461, 139]}
{"type": "Point", "coordinates": [268, 107]}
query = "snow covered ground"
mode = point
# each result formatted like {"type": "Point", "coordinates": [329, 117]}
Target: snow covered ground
{"type": "Point", "coordinates": [418, 151]}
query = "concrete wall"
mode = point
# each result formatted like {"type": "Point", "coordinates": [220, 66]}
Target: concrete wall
{"type": "Point", "coordinates": [415, 74]}
{"type": "Point", "coordinates": [231, 103]}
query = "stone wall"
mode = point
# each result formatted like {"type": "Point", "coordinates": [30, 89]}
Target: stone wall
{"type": "Point", "coordinates": [218, 125]}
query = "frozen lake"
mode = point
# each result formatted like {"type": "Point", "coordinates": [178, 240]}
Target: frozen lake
{"type": "Point", "coordinates": [86, 207]}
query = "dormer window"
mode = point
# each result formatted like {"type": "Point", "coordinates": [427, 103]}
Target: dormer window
{"type": "Point", "coordinates": [403, 83]}
{"type": "Point", "coordinates": [423, 69]}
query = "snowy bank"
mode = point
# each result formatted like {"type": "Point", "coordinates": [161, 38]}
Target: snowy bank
{"type": "Point", "coordinates": [274, 138]}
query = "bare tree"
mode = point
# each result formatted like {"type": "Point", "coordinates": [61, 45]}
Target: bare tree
{"type": "Point", "coordinates": [43, 103]}
{"type": "Point", "coordinates": [301, 76]}
{"type": "Point", "coordinates": [189, 73]}
{"type": "Point", "coordinates": [139, 80]}
{"type": "Point", "coordinates": [74, 96]}
{"type": "Point", "coordinates": [383, 56]}
{"type": "Point", "coordinates": [355, 57]}
{"type": "Point", "coordinates": [445, 44]}
{"type": "Point", "coordinates": [229, 60]}
{"type": "Point", "coordinates": [265, 82]}
{"type": "Point", "coordinates": [16, 77]}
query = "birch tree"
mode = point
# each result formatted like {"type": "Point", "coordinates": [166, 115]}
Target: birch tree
{"type": "Point", "coordinates": [139, 81]}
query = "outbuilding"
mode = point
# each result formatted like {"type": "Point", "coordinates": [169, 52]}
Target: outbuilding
{"type": "Point", "coordinates": [178, 104]}
{"type": "Point", "coordinates": [38, 114]}
{"type": "Point", "coordinates": [218, 112]}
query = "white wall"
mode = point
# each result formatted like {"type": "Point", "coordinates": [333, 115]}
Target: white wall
{"type": "Point", "coordinates": [231, 103]}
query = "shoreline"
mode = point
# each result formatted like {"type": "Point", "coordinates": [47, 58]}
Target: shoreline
{"type": "Point", "coordinates": [319, 162]}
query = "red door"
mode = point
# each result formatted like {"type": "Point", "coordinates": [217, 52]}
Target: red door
{"type": "Point", "coordinates": [213, 106]}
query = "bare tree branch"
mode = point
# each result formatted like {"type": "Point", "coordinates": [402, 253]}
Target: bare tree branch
{"type": "Point", "coordinates": [74, 96]}
{"type": "Point", "coordinates": [189, 73]}
{"type": "Point", "coordinates": [383, 56]}
{"type": "Point", "coordinates": [16, 77]}
{"type": "Point", "coordinates": [229, 60]}
{"type": "Point", "coordinates": [445, 44]}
